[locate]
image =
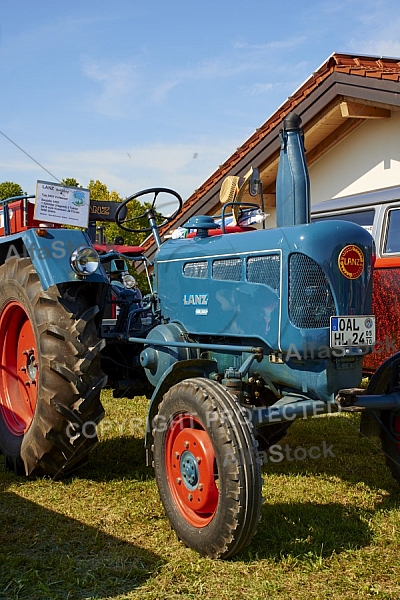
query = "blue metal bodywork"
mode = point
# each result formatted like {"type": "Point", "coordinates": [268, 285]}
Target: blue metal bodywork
{"type": "Point", "coordinates": [273, 292]}
{"type": "Point", "coordinates": [195, 293]}
{"type": "Point", "coordinates": [209, 305]}
{"type": "Point", "coordinates": [50, 254]}
{"type": "Point", "coordinates": [292, 183]}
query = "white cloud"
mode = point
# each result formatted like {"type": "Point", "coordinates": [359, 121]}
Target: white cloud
{"type": "Point", "coordinates": [246, 58]}
{"type": "Point", "coordinates": [162, 90]}
{"type": "Point", "coordinates": [379, 31]}
{"type": "Point", "coordinates": [381, 47]}
{"type": "Point", "coordinates": [273, 45]}
{"type": "Point", "coordinates": [261, 88]}
{"type": "Point", "coordinates": [128, 170]}
{"type": "Point", "coordinates": [116, 81]}
{"type": "Point", "coordinates": [217, 68]}
{"type": "Point", "coordinates": [120, 81]}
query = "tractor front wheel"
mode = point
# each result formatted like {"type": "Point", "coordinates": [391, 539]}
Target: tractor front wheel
{"type": "Point", "coordinates": [207, 467]}
{"type": "Point", "coordinates": [50, 376]}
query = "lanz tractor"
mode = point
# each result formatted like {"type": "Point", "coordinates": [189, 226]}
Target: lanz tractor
{"type": "Point", "coordinates": [241, 334]}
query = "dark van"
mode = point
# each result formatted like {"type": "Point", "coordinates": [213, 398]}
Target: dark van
{"type": "Point", "coordinates": [379, 213]}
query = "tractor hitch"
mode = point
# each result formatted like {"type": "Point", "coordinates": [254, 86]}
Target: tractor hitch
{"type": "Point", "coordinates": [354, 399]}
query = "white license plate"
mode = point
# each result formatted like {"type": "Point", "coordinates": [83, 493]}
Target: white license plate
{"type": "Point", "coordinates": [351, 332]}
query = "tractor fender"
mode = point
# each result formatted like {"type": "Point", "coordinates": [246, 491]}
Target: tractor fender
{"type": "Point", "coordinates": [183, 369]}
{"type": "Point", "coordinates": [50, 254]}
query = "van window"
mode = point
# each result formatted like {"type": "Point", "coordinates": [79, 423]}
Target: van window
{"type": "Point", "coordinates": [365, 218]}
{"type": "Point", "coordinates": [392, 243]}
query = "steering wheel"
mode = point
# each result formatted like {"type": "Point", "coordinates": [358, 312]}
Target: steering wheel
{"type": "Point", "coordinates": [150, 213]}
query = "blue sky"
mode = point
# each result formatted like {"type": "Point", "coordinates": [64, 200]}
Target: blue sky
{"type": "Point", "coordinates": [160, 93]}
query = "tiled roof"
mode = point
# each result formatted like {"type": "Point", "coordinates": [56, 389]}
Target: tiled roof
{"type": "Point", "coordinates": [362, 66]}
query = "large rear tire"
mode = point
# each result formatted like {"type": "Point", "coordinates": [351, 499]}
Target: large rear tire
{"type": "Point", "coordinates": [50, 375]}
{"type": "Point", "coordinates": [391, 445]}
{"type": "Point", "coordinates": [386, 380]}
{"type": "Point", "coordinates": [207, 468]}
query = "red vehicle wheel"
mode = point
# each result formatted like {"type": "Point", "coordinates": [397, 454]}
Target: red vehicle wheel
{"type": "Point", "coordinates": [207, 467]}
{"type": "Point", "coordinates": [189, 463]}
{"type": "Point", "coordinates": [50, 376]}
{"type": "Point", "coordinates": [18, 369]}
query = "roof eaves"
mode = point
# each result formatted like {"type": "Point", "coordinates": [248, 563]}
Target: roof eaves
{"type": "Point", "coordinates": [358, 65]}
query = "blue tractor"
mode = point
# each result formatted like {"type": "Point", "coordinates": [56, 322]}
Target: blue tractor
{"type": "Point", "coordinates": [241, 334]}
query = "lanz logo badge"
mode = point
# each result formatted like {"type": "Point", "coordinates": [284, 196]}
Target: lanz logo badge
{"type": "Point", "coordinates": [195, 299]}
{"type": "Point", "coordinates": [351, 261]}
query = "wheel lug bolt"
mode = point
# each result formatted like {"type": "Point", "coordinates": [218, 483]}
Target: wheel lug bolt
{"type": "Point", "coordinates": [178, 480]}
{"type": "Point", "coordinates": [176, 454]}
{"type": "Point", "coordinates": [200, 486]}
{"type": "Point", "coordinates": [198, 459]}
{"type": "Point", "coordinates": [186, 444]}
{"type": "Point", "coordinates": [27, 383]}
{"type": "Point", "coordinates": [190, 497]}
{"type": "Point", "coordinates": [23, 369]}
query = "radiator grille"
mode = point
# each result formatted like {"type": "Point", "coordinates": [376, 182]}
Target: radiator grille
{"type": "Point", "coordinates": [264, 269]}
{"type": "Point", "coordinates": [227, 269]}
{"type": "Point", "coordinates": [311, 302]}
{"type": "Point", "coordinates": [196, 269]}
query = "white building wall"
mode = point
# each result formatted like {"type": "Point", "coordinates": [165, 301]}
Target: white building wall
{"type": "Point", "coordinates": [368, 159]}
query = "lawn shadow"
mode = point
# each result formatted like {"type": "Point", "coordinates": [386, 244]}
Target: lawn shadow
{"type": "Point", "coordinates": [307, 532]}
{"type": "Point", "coordinates": [338, 451]}
{"type": "Point", "coordinates": [47, 555]}
{"type": "Point", "coordinates": [117, 458]}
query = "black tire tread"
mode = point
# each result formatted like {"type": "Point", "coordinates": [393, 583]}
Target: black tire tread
{"type": "Point", "coordinates": [70, 375]}
{"type": "Point", "coordinates": [242, 496]}
{"type": "Point", "coordinates": [381, 382]}
{"type": "Point", "coordinates": [389, 447]}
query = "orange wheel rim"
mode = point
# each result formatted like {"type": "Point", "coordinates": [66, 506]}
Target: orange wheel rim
{"type": "Point", "coordinates": [19, 369]}
{"type": "Point", "coordinates": [191, 470]}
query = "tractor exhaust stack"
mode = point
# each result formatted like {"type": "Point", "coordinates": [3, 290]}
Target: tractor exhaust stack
{"type": "Point", "coordinates": [292, 182]}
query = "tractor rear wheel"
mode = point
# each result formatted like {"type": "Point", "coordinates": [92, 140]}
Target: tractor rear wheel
{"type": "Point", "coordinates": [385, 380]}
{"type": "Point", "coordinates": [207, 467]}
{"type": "Point", "coordinates": [50, 376]}
{"type": "Point", "coordinates": [391, 445]}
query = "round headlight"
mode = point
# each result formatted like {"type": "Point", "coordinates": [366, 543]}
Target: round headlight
{"type": "Point", "coordinates": [84, 261]}
{"type": "Point", "coordinates": [129, 281]}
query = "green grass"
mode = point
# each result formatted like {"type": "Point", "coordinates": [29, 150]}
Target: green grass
{"type": "Point", "coordinates": [330, 528]}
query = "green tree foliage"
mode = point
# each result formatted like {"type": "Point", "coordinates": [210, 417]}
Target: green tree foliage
{"type": "Point", "coordinates": [70, 181]}
{"type": "Point", "coordinates": [8, 189]}
{"type": "Point", "coordinates": [100, 193]}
